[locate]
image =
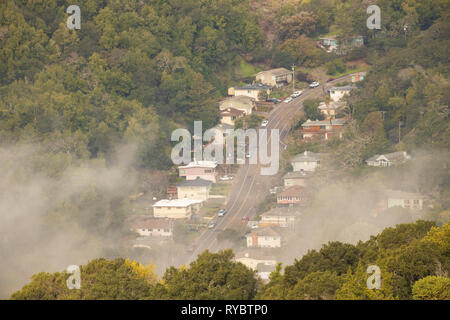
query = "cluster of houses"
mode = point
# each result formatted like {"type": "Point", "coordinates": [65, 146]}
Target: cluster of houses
{"type": "Point", "coordinates": [332, 44]}
{"type": "Point", "coordinates": [184, 201]}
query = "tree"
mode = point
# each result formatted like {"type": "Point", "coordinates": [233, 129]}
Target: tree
{"type": "Point", "coordinates": [432, 288]}
{"type": "Point", "coordinates": [311, 109]}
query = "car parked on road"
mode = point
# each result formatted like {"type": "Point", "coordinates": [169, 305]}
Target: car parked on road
{"type": "Point", "coordinates": [212, 225]}
{"type": "Point", "coordinates": [274, 100]}
{"type": "Point", "coordinates": [314, 84]}
{"type": "Point", "coordinates": [222, 212]}
{"type": "Point", "coordinates": [225, 178]}
{"type": "Point", "coordinates": [331, 79]}
{"type": "Point", "coordinates": [264, 123]}
{"type": "Point", "coordinates": [296, 94]}
{"type": "Point", "coordinates": [287, 100]}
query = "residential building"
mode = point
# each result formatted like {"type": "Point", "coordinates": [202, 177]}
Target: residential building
{"type": "Point", "coordinates": [155, 227]}
{"type": "Point", "coordinates": [325, 129]}
{"type": "Point", "coordinates": [251, 90]}
{"type": "Point", "coordinates": [297, 178]}
{"type": "Point", "coordinates": [388, 159]}
{"type": "Point", "coordinates": [283, 217]}
{"type": "Point", "coordinates": [337, 93]}
{"type": "Point", "coordinates": [171, 193]}
{"type": "Point", "coordinates": [254, 256]}
{"type": "Point", "coordinates": [275, 77]}
{"type": "Point", "coordinates": [407, 200]}
{"type": "Point", "coordinates": [267, 237]}
{"type": "Point", "coordinates": [176, 209]}
{"type": "Point", "coordinates": [292, 196]}
{"type": "Point", "coordinates": [306, 161]}
{"type": "Point", "coordinates": [358, 76]}
{"type": "Point", "coordinates": [230, 115]}
{"type": "Point", "coordinates": [205, 170]}
{"type": "Point", "coordinates": [241, 103]}
{"type": "Point", "coordinates": [197, 189]}
{"type": "Point", "coordinates": [331, 43]}
{"type": "Point", "coordinates": [264, 270]}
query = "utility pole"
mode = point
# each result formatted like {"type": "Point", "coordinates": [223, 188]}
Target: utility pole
{"type": "Point", "coordinates": [399, 123]}
{"type": "Point", "coordinates": [293, 78]}
{"type": "Point", "coordinates": [405, 28]}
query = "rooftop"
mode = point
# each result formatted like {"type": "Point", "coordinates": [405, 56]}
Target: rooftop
{"type": "Point", "coordinates": [154, 224]}
{"type": "Point", "coordinates": [298, 175]}
{"type": "Point", "coordinates": [265, 232]}
{"type": "Point", "coordinates": [200, 164]}
{"type": "Point", "coordinates": [294, 191]}
{"type": "Point", "coordinates": [398, 194]}
{"type": "Point", "coordinates": [343, 88]}
{"type": "Point", "coordinates": [232, 112]}
{"type": "Point", "coordinates": [282, 211]}
{"type": "Point", "coordinates": [254, 253]}
{"type": "Point", "coordinates": [336, 122]}
{"type": "Point", "coordinates": [307, 156]}
{"type": "Point", "coordinates": [393, 156]}
{"type": "Point", "coordinates": [276, 71]}
{"type": "Point", "coordinates": [176, 203]}
{"type": "Point", "coordinates": [199, 182]}
{"type": "Point", "coordinates": [255, 86]}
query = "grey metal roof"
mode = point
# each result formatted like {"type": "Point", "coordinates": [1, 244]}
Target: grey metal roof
{"type": "Point", "coordinates": [199, 182]}
{"type": "Point", "coordinates": [307, 156]}
{"type": "Point", "coordinates": [256, 86]}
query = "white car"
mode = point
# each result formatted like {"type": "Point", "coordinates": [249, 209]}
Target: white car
{"type": "Point", "coordinates": [287, 100]}
{"type": "Point", "coordinates": [314, 84]}
{"type": "Point", "coordinates": [296, 94]}
{"type": "Point", "coordinates": [265, 123]}
{"type": "Point", "coordinates": [226, 178]}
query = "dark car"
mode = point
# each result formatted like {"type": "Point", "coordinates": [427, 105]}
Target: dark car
{"type": "Point", "coordinates": [274, 100]}
{"type": "Point", "coordinates": [331, 79]}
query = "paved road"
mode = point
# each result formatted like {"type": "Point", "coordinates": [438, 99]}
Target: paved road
{"type": "Point", "coordinates": [250, 188]}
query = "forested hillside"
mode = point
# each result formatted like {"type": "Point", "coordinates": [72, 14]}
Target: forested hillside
{"type": "Point", "coordinates": [413, 258]}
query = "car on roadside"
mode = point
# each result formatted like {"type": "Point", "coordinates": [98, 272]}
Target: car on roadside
{"type": "Point", "coordinates": [287, 100]}
{"type": "Point", "coordinates": [192, 248]}
{"type": "Point", "coordinates": [264, 123]}
{"type": "Point", "coordinates": [331, 79]}
{"type": "Point", "coordinates": [212, 225]}
{"type": "Point", "coordinates": [222, 212]}
{"type": "Point", "coordinates": [296, 94]}
{"type": "Point", "coordinates": [314, 84]}
{"type": "Point", "coordinates": [225, 178]}
{"type": "Point", "coordinates": [244, 220]}
{"type": "Point", "coordinates": [273, 100]}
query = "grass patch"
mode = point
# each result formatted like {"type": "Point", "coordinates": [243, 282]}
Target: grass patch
{"type": "Point", "coordinates": [221, 189]}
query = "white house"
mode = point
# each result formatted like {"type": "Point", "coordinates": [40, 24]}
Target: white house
{"type": "Point", "coordinates": [281, 217]}
{"type": "Point", "coordinates": [275, 77]}
{"type": "Point", "coordinates": [407, 200]}
{"type": "Point", "coordinates": [250, 90]}
{"type": "Point", "coordinates": [297, 178]}
{"type": "Point", "coordinates": [197, 189]}
{"type": "Point", "coordinates": [266, 237]}
{"type": "Point", "coordinates": [306, 161]}
{"type": "Point", "coordinates": [337, 93]}
{"type": "Point", "coordinates": [154, 227]}
{"type": "Point", "coordinates": [388, 159]}
{"type": "Point", "coordinates": [176, 209]}
{"type": "Point", "coordinates": [205, 170]}
{"type": "Point", "coordinates": [256, 259]}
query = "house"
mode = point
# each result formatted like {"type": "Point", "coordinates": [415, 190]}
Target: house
{"type": "Point", "coordinates": [241, 103]}
{"type": "Point", "coordinates": [358, 76]}
{"type": "Point", "coordinates": [176, 209]}
{"type": "Point", "coordinates": [329, 110]}
{"type": "Point", "coordinates": [254, 256]}
{"type": "Point", "coordinates": [297, 178]}
{"type": "Point", "coordinates": [275, 77]}
{"type": "Point", "coordinates": [388, 159]}
{"type": "Point", "coordinates": [264, 270]}
{"type": "Point", "coordinates": [171, 193]}
{"type": "Point", "coordinates": [337, 93]}
{"type": "Point", "coordinates": [267, 237]}
{"type": "Point", "coordinates": [197, 189]}
{"type": "Point", "coordinates": [251, 90]}
{"type": "Point", "coordinates": [306, 161]}
{"type": "Point", "coordinates": [283, 217]}
{"type": "Point", "coordinates": [199, 169]}
{"type": "Point", "coordinates": [331, 43]}
{"type": "Point", "coordinates": [293, 196]}
{"type": "Point", "coordinates": [325, 129]}
{"type": "Point", "coordinates": [230, 115]}
{"type": "Point", "coordinates": [155, 227]}
{"type": "Point", "coordinates": [407, 200]}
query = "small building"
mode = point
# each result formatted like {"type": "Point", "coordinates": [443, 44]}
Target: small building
{"type": "Point", "coordinates": [264, 270]}
{"type": "Point", "coordinates": [176, 209]}
{"type": "Point", "coordinates": [230, 115]}
{"type": "Point", "coordinates": [254, 256]}
{"type": "Point", "coordinates": [283, 217]}
{"type": "Point", "coordinates": [172, 193]}
{"type": "Point", "coordinates": [358, 76]}
{"type": "Point", "coordinates": [331, 43]}
{"type": "Point", "coordinates": [297, 178]}
{"type": "Point", "coordinates": [275, 77]}
{"type": "Point", "coordinates": [325, 129]}
{"type": "Point", "coordinates": [154, 227]}
{"type": "Point", "coordinates": [306, 161]}
{"type": "Point", "coordinates": [337, 93]}
{"type": "Point", "coordinates": [252, 90]}
{"type": "Point", "coordinates": [205, 170]}
{"type": "Point", "coordinates": [388, 159]}
{"type": "Point", "coordinates": [267, 237]}
{"type": "Point", "coordinates": [407, 200]}
{"type": "Point", "coordinates": [241, 103]}
{"type": "Point", "coordinates": [197, 189]}
{"type": "Point", "coordinates": [293, 196]}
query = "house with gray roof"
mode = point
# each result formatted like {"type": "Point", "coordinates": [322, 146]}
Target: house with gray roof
{"type": "Point", "coordinates": [388, 159]}
{"type": "Point", "coordinates": [306, 161]}
{"type": "Point", "coordinates": [197, 189]}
